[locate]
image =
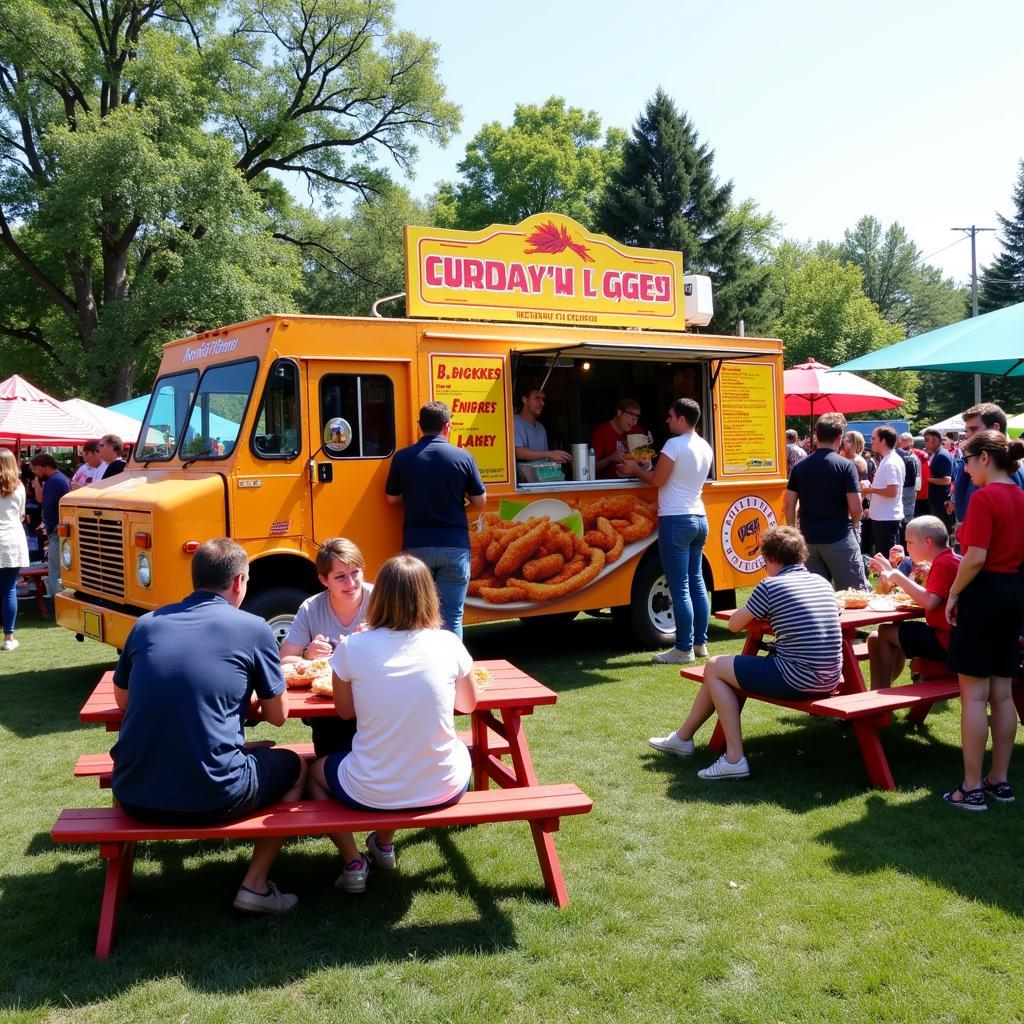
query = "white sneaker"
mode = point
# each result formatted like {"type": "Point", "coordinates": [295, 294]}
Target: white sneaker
{"type": "Point", "coordinates": [723, 769]}
{"type": "Point", "coordinates": [353, 877]}
{"type": "Point", "coordinates": [9, 645]}
{"type": "Point", "coordinates": [674, 656]}
{"type": "Point", "coordinates": [672, 744]}
{"type": "Point", "coordinates": [700, 651]}
{"type": "Point", "coordinates": [382, 856]}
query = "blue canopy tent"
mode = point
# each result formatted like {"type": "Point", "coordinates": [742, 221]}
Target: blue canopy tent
{"type": "Point", "coordinates": [163, 416]}
{"type": "Point", "coordinates": [992, 344]}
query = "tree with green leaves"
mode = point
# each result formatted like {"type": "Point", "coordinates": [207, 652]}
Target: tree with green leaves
{"type": "Point", "coordinates": [826, 316]}
{"type": "Point", "coordinates": [665, 196]}
{"type": "Point", "coordinates": [143, 145]}
{"type": "Point", "coordinates": [551, 158]}
{"type": "Point", "coordinates": [1002, 281]}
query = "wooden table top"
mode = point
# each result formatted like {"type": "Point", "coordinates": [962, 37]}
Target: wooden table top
{"type": "Point", "coordinates": [510, 687]}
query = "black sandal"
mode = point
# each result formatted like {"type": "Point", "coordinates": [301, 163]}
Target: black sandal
{"type": "Point", "coordinates": [1001, 791]}
{"type": "Point", "coordinates": [970, 799]}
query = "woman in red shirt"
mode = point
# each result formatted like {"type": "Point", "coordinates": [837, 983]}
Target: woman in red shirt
{"type": "Point", "coordinates": [985, 606]}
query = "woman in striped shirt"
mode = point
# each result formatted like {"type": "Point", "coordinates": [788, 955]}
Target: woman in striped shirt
{"type": "Point", "coordinates": [805, 661]}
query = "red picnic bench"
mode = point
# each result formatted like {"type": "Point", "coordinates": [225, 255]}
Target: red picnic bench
{"type": "Point", "coordinates": [33, 578]}
{"type": "Point", "coordinates": [496, 732]}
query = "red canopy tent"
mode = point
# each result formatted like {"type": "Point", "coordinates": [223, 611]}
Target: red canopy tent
{"type": "Point", "coordinates": [812, 385]}
{"type": "Point", "coordinates": [30, 416]}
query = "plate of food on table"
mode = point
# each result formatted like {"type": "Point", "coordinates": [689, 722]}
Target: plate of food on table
{"type": "Point", "coordinates": [309, 675]}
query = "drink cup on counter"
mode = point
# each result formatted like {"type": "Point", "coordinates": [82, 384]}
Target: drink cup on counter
{"type": "Point", "coordinates": [581, 462]}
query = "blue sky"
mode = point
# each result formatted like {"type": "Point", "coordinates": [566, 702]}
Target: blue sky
{"type": "Point", "coordinates": [821, 112]}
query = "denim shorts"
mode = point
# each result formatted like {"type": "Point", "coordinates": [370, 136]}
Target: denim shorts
{"type": "Point", "coordinates": [331, 774]}
{"type": "Point", "coordinates": [763, 676]}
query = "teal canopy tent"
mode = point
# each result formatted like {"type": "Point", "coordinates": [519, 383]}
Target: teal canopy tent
{"type": "Point", "coordinates": [992, 344]}
{"type": "Point", "coordinates": [163, 415]}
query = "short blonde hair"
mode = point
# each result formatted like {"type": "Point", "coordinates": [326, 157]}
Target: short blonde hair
{"type": "Point", "coordinates": [338, 549]}
{"type": "Point", "coordinates": [933, 527]}
{"type": "Point", "coordinates": [404, 596]}
{"type": "Point", "coordinates": [855, 439]}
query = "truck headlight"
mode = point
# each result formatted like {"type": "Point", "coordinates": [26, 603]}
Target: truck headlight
{"type": "Point", "coordinates": [66, 556]}
{"type": "Point", "coordinates": [143, 570]}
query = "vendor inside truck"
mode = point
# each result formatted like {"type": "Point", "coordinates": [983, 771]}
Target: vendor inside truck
{"type": "Point", "coordinates": [531, 436]}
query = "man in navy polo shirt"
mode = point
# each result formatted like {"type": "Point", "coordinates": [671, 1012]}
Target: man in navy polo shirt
{"type": "Point", "coordinates": [185, 681]}
{"type": "Point", "coordinates": [432, 479]}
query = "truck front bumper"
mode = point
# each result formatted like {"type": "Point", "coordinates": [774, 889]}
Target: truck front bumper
{"type": "Point", "coordinates": [93, 620]}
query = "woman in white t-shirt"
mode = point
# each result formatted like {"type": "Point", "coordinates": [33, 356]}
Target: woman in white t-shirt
{"type": "Point", "coordinates": [402, 679]}
{"type": "Point", "coordinates": [683, 466]}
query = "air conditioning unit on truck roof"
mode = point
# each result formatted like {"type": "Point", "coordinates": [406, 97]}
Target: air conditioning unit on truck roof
{"type": "Point", "coordinates": [697, 300]}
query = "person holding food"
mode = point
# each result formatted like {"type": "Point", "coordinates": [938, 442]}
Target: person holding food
{"type": "Point", "coordinates": [610, 440]}
{"type": "Point", "coordinates": [402, 679]}
{"type": "Point", "coordinates": [806, 659]}
{"type": "Point", "coordinates": [683, 466]}
{"type": "Point", "coordinates": [321, 622]}
{"type": "Point", "coordinates": [893, 643]}
{"type": "Point", "coordinates": [187, 679]}
{"type": "Point", "coordinates": [985, 607]}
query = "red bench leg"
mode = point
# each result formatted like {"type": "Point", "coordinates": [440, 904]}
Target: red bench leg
{"type": "Point", "coordinates": [866, 731]}
{"type": "Point", "coordinates": [920, 713]}
{"type": "Point", "coordinates": [119, 857]}
{"type": "Point", "coordinates": [548, 857]}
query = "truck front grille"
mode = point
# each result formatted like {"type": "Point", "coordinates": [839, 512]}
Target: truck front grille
{"type": "Point", "coordinates": [101, 550]}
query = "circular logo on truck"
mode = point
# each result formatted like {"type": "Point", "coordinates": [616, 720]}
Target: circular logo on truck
{"type": "Point", "coordinates": [742, 529]}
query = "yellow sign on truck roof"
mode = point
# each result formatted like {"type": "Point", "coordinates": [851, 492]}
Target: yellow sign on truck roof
{"type": "Point", "coordinates": [547, 269]}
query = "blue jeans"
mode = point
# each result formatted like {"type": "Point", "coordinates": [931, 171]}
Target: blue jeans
{"type": "Point", "coordinates": [681, 544]}
{"type": "Point", "coordinates": [450, 569]}
{"type": "Point", "coordinates": [8, 599]}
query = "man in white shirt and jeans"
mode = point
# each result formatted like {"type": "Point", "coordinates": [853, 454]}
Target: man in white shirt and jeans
{"type": "Point", "coordinates": [886, 492]}
{"type": "Point", "coordinates": [683, 466]}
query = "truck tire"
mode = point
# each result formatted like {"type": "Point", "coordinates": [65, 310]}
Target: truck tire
{"type": "Point", "coordinates": [278, 606]}
{"type": "Point", "coordinates": [649, 614]}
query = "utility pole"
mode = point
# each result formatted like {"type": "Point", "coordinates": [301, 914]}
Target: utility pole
{"type": "Point", "coordinates": [973, 232]}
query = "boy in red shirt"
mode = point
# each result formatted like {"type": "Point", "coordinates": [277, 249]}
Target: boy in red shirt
{"type": "Point", "coordinates": [889, 648]}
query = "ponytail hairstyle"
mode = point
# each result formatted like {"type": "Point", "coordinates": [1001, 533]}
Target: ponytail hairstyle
{"type": "Point", "coordinates": [1005, 455]}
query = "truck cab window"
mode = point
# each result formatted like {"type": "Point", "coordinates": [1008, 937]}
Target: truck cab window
{"type": "Point", "coordinates": [218, 410]}
{"type": "Point", "coordinates": [367, 403]}
{"type": "Point", "coordinates": [276, 433]}
{"type": "Point", "coordinates": [165, 417]}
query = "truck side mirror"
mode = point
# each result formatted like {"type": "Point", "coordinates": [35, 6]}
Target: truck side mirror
{"type": "Point", "coordinates": [337, 435]}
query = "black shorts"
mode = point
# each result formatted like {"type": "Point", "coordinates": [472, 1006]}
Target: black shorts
{"type": "Point", "coordinates": [884, 534]}
{"type": "Point", "coordinates": [919, 640]}
{"type": "Point", "coordinates": [986, 637]}
{"type": "Point", "coordinates": [274, 773]}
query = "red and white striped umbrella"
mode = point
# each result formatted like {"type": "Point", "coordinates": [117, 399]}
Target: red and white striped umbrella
{"type": "Point", "coordinates": [30, 416]}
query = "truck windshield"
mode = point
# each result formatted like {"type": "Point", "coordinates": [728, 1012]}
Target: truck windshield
{"type": "Point", "coordinates": [218, 410]}
{"type": "Point", "coordinates": [165, 417]}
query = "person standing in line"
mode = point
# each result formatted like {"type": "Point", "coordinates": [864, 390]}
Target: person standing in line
{"type": "Point", "coordinates": [111, 449]}
{"type": "Point", "coordinates": [794, 453]}
{"type": "Point", "coordinates": [905, 450]}
{"type": "Point", "coordinates": [89, 470]}
{"type": "Point", "coordinates": [54, 486]}
{"type": "Point", "coordinates": [987, 416]}
{"type": "Point", "coordinates": [432, 480]}
{"type": "Point", "coordinates": [827, 491]}
{"type": "Point", "coordinates": [923, 474]}
{"type": "Point", "coordinates": [985, 607]}
{"type": "Point", "coordinates": [13, 544]}
{"type": "Point", "coordinates": [682, 468]}
{"type": "Point", "coordinates": [886, 491]}
{"type": "Point", "coordinates": [940, 476]}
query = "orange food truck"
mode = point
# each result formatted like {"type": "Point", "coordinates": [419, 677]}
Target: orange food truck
{"type": "Point", "coordinates": [279, 433]}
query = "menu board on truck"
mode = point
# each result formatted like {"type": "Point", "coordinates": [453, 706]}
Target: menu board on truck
{"type": "Point", "coordinates": [747, 417]}
{"type": "Point", "coordinates": [474, 389]}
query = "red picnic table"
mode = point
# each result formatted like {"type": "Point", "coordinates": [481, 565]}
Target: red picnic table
{"type": "Point", "coordinates": [500, 708]}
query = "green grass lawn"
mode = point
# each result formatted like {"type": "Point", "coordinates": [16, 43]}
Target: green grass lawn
{"type": "Point", "coordinates": [798, 895]}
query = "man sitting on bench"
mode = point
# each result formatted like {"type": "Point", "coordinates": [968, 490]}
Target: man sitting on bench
{"type": "Point", "coordinates": [806, 659]}
{"type": "Point", "coordinates": [889, 648]}
{"type": "Point", "coordinates": [185, 681]}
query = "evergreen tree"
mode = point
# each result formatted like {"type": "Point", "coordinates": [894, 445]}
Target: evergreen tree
{"type": "Point", "coordinates": [1002, 282]}
{"type": "Point", "coordinates": [665, 196]}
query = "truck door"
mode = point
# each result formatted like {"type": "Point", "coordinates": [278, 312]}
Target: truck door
{"type": "Point", "coordinates": [359, 413]}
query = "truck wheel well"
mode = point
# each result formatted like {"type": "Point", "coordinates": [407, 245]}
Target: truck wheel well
{"type": "Point", "coordinates": [283, 571]}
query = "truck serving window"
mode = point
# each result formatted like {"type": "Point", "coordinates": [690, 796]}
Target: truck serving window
{"type": "Point", "coordinates": [367, 403]}
{"type": "Point", "coordinates": [165, 417]}
{"type": "Point", "coordinates": [218, 410]}
{"type": "Point", "coordinates": [277, 433]}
